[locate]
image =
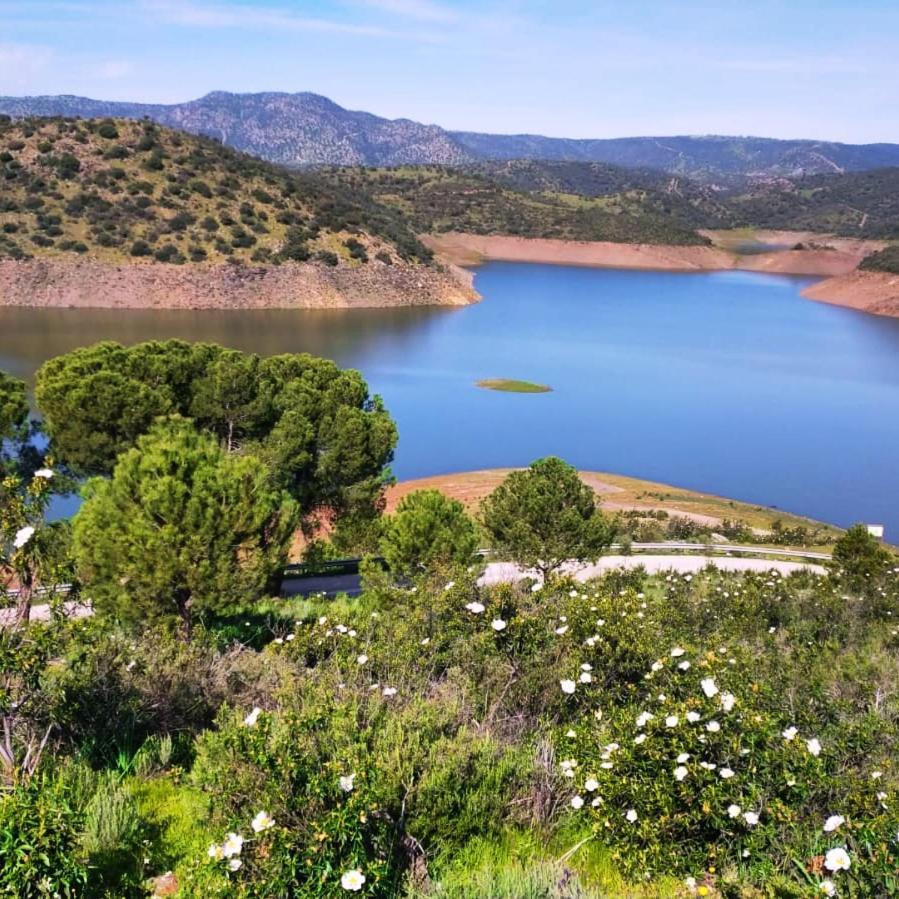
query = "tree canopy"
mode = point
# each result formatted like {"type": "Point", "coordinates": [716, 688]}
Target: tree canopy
{"type": "Point", "coordinates": [13, 405]}
{"type": "Point", "coordinates": [544, 515]}
{"type": "Point", "coordinates": [428, 530]}
{"type": "Point", "coordinates": [181, 526]}
{"type": "Point", "coordinates": [326, 440]}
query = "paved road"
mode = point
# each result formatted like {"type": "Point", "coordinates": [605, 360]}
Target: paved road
{"type": "Point", "coordinates": [508, 572]}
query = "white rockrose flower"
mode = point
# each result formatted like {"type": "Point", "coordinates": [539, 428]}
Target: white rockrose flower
{"type": "Point", "coordinates": [352, 880]}
{"type": "Point", "coordinates": [568, 686]}
{"type": "Point", "coordinates": [833, 822]}
{"type": "Point", "coordinates": [837, 859]}
{"type": "Point", "coordinates": [709, 687]}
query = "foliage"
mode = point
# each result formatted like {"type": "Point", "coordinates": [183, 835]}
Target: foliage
{"type": "Point", "coordinates": [180, 528]}
{"type": "Point", "coordinates": [427, 531]}
{"type": "Point", "coordinates": [326, 440]}
{"type": "Point", "coordinates": [861, 559]}
{"type": "Point", "coordinates": [123, 190]}
{"type": "Point", "coordinates": [886, 260]}
{"type": "Point", "coordinates": [545, 516]}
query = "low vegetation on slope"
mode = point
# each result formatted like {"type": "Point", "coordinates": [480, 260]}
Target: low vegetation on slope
{"type": "Point", "coordinates": [437, 199]}
{"type": "Point", "coordinates": [855, 204]}
{"type": "Point", "coordinates": [724, 734]}
{"type": "Point", "coordinates": [125, 190]}
{"type": "Point", "coordinates": [887, 260]}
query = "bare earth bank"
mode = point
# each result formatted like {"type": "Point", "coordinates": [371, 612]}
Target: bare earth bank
{"type": "Point", "coordinates": [842, 255]}
{"type": "Point", "coordinates": [834, 258]}
{"type": "Point", "coordinates": [90, 284]}
{"type": "Point", "coordinates": [874, 292]}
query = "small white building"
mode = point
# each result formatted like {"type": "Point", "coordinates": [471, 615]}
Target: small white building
{"type": "Point", "coordinates": [876, 530]}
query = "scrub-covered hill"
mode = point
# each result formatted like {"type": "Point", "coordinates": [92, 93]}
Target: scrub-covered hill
{"type": "Point", "coordinates": [111, 192]}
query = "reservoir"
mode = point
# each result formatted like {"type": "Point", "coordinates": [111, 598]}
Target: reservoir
{"type": "Point", "coordinates": [726, 382]}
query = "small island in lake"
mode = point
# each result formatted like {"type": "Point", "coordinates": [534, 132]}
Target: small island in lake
{"type": "Point", "coordinates": [510, 385]}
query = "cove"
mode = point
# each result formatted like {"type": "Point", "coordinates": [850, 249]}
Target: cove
{"type": "Point", "coordinates": [727, 382]}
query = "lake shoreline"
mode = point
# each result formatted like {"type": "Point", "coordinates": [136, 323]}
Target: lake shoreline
{"type": "Point", "coordinates": [88, 284]}
{"type": "Point", "coordinates": [842, 285]}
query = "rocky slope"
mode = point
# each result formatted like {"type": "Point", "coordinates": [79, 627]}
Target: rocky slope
{"type": "Point", "coordinates": [305, 128]}
{"type": "Point", "coordinates": [113, 212]}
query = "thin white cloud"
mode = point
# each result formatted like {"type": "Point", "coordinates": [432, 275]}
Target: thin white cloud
{"type": "Point", "coordinates": [207, 15]}
{"type": "Point", "coordinates": [419, 10]}
{"type": "Point", "coordinates": [112, 69]}
{"type": "Point", "coordinates": [20, 62]}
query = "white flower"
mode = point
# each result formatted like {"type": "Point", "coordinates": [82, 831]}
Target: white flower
{"type": "Point", "coordinates": [693, 717]}
{"type": "Point", "coordinates": [643, 718]}
{"type": "Point", "coordinates": [677, 651]}
{"type": "Point", "coordinates": [607, 766]}
{"type": "Point", "coordinates": [709, 687]}
{"type": "Point", "coordinates": [570, 733]}
{"type": "Point", "coordinates": [690, 884]}
{"type": "Point", "coordinates": [450, 585]}
{"type": "Point", "coordinates": [568, 686]}
{"type": "Point", "coordinates": [279, 641]}
{"type": "Point", "coordinates": [23, 535]}
{"type": "Point", "coordinates": [751, 818]}
{"type": "Point", "coordinates": [813, 746]}
{"type": "Point", "coordinates": [45, 473]}
{"type": "Point", "coordinates": [837, 859]}
{"type": "Point", "coordinates": [361, 660]}
{"type": "Point", "coordinates": [876, 775]}
{"type": "Point", "coordinates": [232, 845]}
{"type": "Point", "coordinates": [680, 773]}
{"type": "Point", "coordinates": [828, 887]}
{"type": "Point", "coordinates": [346, 782]}
{"type": "Point", "coordinates": [713, 727]}
{"type": "Point", "coordinates": [253, 717]}
{"type": "Point", "coordinates": [683, 758]}
{"type": "Point", "coordinates": [591, 784]}
{"type": "Point", "coordinates": [215, 852]}
{"type": "Point", "coordinates": [684, 666]}
{"type": "Point", "coordinates": [585, 677]}
{"type": "Point", "coordinates": [833, 822]}
{"type": "Point", "coordinates": [352, 880]}
{"type": "Point", "coordinates": [726, 773]}
{"type": "Point", "coordinates": [790, 734]}
{"type": "Point", "coordinates": [672, 721]}
{"type": "Point", "coordinates": [586, 666]}
{"type": "Point", "coordinates": [656, 666]}
{"type": "Point", "coordinates": [562, 630]}
{"type": "Point", "coordinates": [389, 691]}
{"type": "Point", "coordinates": [475, 607]}
{"type": "Point", "coordinates": [262, 821]}
{"type": "Point", "coordinates": [631, 815]}
{"type": "Point", "coordinates": [577, 802]}
{"type": "Point", "coordinates": [498, 624]}
{"type": "Point", "coordinates": [235, 864]}
{"type": "Point", "coordinates": [728, 701]}
{"type": "Point", "coordinates": [734, 810]}
{"type": "Point", "coordinates": [639, 739]}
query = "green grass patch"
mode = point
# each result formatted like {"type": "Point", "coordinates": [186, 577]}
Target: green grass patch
{"type": "Point", "coordinates": [510, 385]}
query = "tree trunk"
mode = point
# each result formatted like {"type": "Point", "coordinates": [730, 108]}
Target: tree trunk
{"type": "Point", "coordinates": [184, 602]}
{"type": "Point", "coordinates": [23, 602]}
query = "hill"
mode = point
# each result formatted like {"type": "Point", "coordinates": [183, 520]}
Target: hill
{"type": "Point", "coordinates": [82, 197]}
{"type": "Point", "coordinates": [291, 129]}
{"type": "Point", "coordinates": [120, 189]}
{"type": "Point", "coordinates": [855, 204]}
{"type": "Point", "coordinates": [308, 129]}
{"type": "Point", "coordinates": [483, 200]}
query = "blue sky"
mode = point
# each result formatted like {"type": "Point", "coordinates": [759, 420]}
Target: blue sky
{"type": "Point", "coordinates": [578, 68]}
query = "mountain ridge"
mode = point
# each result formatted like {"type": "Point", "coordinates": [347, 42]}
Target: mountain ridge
{"type": "Point", "coordinates": [305, 129]}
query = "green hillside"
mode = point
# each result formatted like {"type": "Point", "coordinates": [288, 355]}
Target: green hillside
{"type": "Point", "coordinates": [855, 204]}
{"type": "Point", "coordinates": [887, 260]}
{"type": "Point", "coordinates": [123, 190]}
{"type": "Point", "coordinates": [438, 199]}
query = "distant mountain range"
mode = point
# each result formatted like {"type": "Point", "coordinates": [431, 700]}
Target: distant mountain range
{"type": "Point", "coordinates": [307, 129]}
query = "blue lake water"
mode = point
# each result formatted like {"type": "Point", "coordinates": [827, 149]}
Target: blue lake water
{"type": "Point", "coordinates": [726, 382]}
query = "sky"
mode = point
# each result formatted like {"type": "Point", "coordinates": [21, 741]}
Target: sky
{"type": "Point", "coordinates": [823, 69]}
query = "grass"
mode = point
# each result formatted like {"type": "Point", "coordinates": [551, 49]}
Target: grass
{"type": "Point", "coordinates": [510, 385]}
{"type": "Point", "coordinates": [618, 492]}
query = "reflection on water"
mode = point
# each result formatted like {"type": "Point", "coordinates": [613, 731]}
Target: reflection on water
{"type": "Point", "coordinates": [728, 382]}
{"type": "Point", "coordinates": [28, 337]}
